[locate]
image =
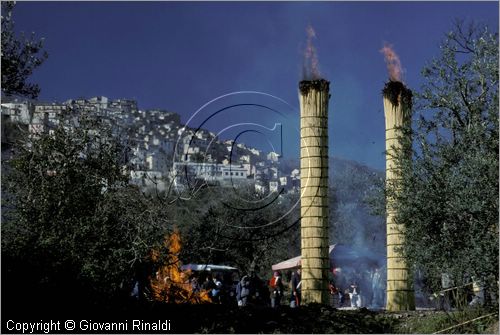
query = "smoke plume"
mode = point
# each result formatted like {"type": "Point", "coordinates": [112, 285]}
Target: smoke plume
{"type": "Point", "coordinates": [393, 63]}
{"type": "Point", "coordinates": [311, 65]}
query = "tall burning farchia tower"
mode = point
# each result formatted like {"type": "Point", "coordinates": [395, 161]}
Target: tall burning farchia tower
{"type": "Point", "coordinates": [397, 109]}
{"type": "Point", "coordinates": [314, 96]}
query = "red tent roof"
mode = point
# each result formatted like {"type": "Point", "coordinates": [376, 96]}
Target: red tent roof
{"type": "Point", "coordinates": [340, 255]}
{"type": "Point", "coordinates": [294, 262]}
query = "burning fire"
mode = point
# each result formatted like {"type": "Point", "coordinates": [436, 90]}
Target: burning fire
{"type": "Point", "coordinates": [311, 64]}
{"type": "Point", "coordinates": [171, 284]}
{"type": "Point", "coordinates": [393, 63]}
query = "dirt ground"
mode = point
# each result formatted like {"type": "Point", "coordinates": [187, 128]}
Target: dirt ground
{"type": "Point", "coordinates": [211, 318]}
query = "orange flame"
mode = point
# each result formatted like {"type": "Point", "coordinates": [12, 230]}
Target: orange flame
{"type": "Point", "coordinates": [393, 62]}
{"type": "Point", "coordinates": [311, 64]}
{"type": "Point", "coordinates": [171, 284]}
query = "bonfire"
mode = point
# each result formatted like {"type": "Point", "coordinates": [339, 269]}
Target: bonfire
{"type": "Point", "coordinates": [171, 284]}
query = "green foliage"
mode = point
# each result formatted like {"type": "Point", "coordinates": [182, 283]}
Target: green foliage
{"type": "Point", "coordinates": [11, 132]}
{"type": "Point", "coordinates": [457, 321]}
{"type": "Point", "coordinates": [20, 56]}
{"type": "Point", "coordinates": [197, 157]}
{"type": "Point", "coordinates": [449, 193]}
{"type": "Point", "coordinates": [70, 213]}
{"type": "Point", "coordinates": [226, 226]}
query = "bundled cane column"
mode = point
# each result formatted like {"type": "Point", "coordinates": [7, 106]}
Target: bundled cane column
{"type": "Point", "coordinates": [314, 96]}
{"type": "Point", "coordinates": [397, 109]}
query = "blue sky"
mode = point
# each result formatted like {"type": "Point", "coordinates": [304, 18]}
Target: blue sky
{"type": "Point", "coordinates": [180, 55]}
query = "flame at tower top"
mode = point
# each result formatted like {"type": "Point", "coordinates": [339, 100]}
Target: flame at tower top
{"type": "Point", "coordinates": [394, 90]}
{"type": "Point", "coordinates": [393, 63]}
{"type": "Point", "coordinates": [310, 69]}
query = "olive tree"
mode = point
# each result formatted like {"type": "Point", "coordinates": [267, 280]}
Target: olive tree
{"type": "Point", "coordinates": [70, 217]}
{"type": "Point", "coordinates": [448, 198]}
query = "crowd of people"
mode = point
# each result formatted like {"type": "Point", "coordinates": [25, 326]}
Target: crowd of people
{"type": "Point", "coordinates": [348, 288]}
{"type": "Point", "coordinates": [222, 288]}
{"type": "Point", "coordinates": [356, 288]}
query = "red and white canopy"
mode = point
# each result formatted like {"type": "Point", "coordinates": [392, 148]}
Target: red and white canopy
{"type": "Point", "coordinates": [340, 255]}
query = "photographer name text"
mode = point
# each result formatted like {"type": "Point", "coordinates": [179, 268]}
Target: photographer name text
{"type": "Point", "coordinates": [51, 326]}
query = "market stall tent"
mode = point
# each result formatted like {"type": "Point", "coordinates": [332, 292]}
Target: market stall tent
{"type": "Point", "coordinates": [340, 255]}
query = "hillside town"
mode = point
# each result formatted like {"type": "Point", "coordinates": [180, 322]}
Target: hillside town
{"type": "Point", "coordinates": [162, 150]}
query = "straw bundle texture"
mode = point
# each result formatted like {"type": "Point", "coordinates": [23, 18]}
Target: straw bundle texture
{"type": "Point", "coordinates": [314, 96]}
{"type": "Point", "coordinates": [397, 104]}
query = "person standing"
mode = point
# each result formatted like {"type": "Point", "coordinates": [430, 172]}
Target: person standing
{"type": "Point", "coordinates": [256, 286]}
{"type": "Point", "coordinates": [276, 286]}
{"type": "Point", "coordinates": [195, 284]}
{"type": "Point", "coordinates": [354, 295]}
{"type": "Point", "coordinates": [295, 297]}
{"type": "Point", "coordinates": [208, 284]}
{"type": "Point", "coordinates": [243, 291]}
{"type": "Point", "coordinates": [217, 291]}
{"type": "Point", "coordinates": [378, 291]}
